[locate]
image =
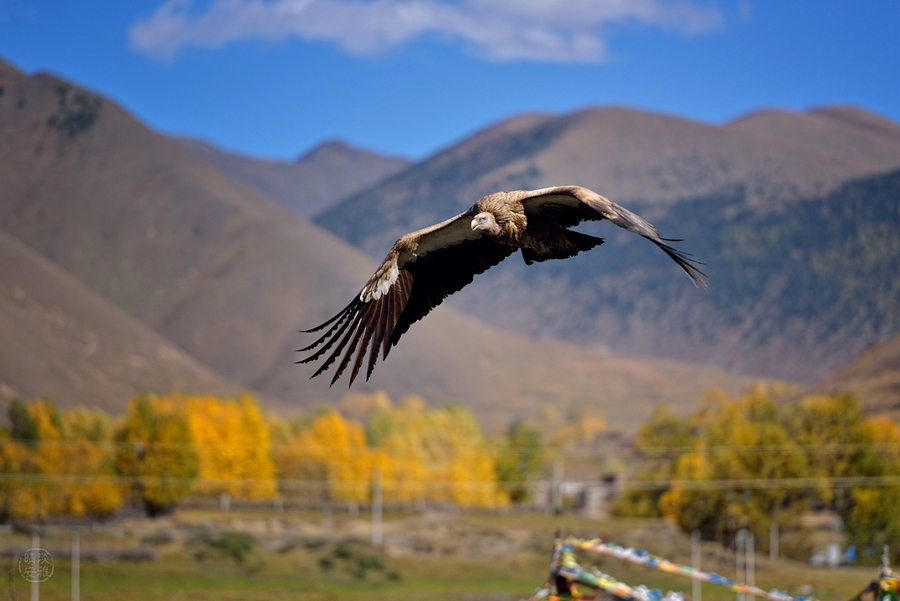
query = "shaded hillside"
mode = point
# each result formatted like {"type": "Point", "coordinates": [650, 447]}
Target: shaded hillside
{"type": "Point", "coordinates": [229, 277]}
{"type": "Point", "coordinates": [873, 377]}
{"type": "Point", "coordinates": [794, 292]}
{"type": "Point", "coordinates": [63, 341]}
{"type": "Point", "coordinates": [786, 299]}
{"type": "Point", "coordinates": [628, 156]}
{"type": "Point", "coordinates": [311, 184]}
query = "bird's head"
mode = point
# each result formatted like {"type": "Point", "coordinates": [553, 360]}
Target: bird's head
{"type": "Point", "coordinates": [485, 222]}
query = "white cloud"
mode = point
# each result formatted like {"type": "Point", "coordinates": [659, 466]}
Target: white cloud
{"type": "Point", "coordinates": [542, 30]}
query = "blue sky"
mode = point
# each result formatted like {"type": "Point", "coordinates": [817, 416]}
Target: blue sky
{"type": "Point", "coordinates": [272, 78]}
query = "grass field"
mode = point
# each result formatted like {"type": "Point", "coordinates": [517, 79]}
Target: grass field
{"type": "Point", "coordinates": [256, 555]}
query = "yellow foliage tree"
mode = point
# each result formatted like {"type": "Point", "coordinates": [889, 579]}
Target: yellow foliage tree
{"type": "Point", "coordinates": [819, 437]}
{"type": "Point", "coordinates": [56, 463]}
{"type": "Point", "coordinates": [456, 464]}
{"type": "Point", "coordinates": [733, 442]}
{"type": "Point", "coordinates": [90, 460]}
{"type": "Point", "coordinates": [157, 452]}
{"type": "Point", "coordinates": [232, 442]}
{"type": "Point", "coordinates": [437, 455]}
{"type": "Point", "coordinates": [331, 453]}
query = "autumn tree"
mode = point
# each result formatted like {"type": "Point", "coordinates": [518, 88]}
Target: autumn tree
{"type": "Point", "coordinates": [332, 453]}
{"type": "Point", "coordinates": [447, 443]}
{"type": "Point", "coordinates": [56, 463]}
{"type": "Point", "coordinates": [519, 460]}
{"type": "Point", "coordinates": [232, 441]}
{"type": "Point", "coordinates": [742, 439]}
{"type": "Point", "coordinates": [843, 443]}
{"type": "Point", "coordinates": [156, 451]}
{"type": "Point", "coordinates": [819, 438]}
{"type": "Point", "coordinates": [660, 441]}
{"type": "Point", "coordinates": [90, 461]}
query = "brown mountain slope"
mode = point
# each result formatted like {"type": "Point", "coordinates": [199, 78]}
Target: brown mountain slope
{"type": "Point", "coordinates": [208, 263]}
{"type": "Point", "coordinates": [842, 130]}
{"type": "Point", "coordinates": [314, 182]}
{"type": "Point", "coordinates": [230, 277]}
{"type": "Point", "coordinates": [874, 377]}
{"type": "Point", "coordinates": [65, 342]}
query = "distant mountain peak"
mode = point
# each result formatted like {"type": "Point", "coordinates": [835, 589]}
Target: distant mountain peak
{"type": "Point", "coordinates": [314, 182]}
{"type": "Point", "coordinates": [340, 150]}
{"type": "Point", "coordinates": [846, 114]}
{"type": "Point", "coordinates": [328, 148]}
{"type": "Point", "coordinates": [859, 118]}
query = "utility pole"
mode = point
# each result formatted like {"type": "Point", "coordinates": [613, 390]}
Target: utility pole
{"type": "Point", "coordinates": [556, 489]}
{"type": "Point", "coordinates": [696, 591]}
{"type": "Point", "coordinates": [76, 566]}
{"type": "Point", "coordinates": [773, 541]}
{"type": "Point", "coordinates": [35, 559]}
{"type": "Point", "coordinates": [750, 562]}
{"type": "Point", "coordinates": [739, 547]}
{"type": "Point", "coordinates": [377, 508]}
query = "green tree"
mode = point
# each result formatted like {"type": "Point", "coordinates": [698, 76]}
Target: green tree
{"type": "Point", "coordinates": [741, 439]}
{"type": "Point", "coordinates": [519, 459]}
{"type": "Point", "coordinates": [660, 442]}
{"type": "Point", "coordinates": [751, 438]}
{"type": "Point", "coordinates": [157, 451]}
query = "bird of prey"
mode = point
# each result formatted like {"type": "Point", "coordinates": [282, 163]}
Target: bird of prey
{"type": "Point", "coordinates": [426, 266]}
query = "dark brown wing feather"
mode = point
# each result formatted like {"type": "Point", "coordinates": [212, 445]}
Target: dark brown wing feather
{"type": "Point", "coordinates": [421, 285]}
{"type": "Point", "coordinates": [439, 274]}
{"type": "Point", "coordinates": [570, 205]}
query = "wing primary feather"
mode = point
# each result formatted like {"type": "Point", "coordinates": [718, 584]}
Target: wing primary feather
{"type": "Point", "coordinates": [378, 334]}
{"type": "Point", "coordinates": [366, 332]}
{"type": "Point", "coordinates": [404, 289]}
{"type": "Point", "coordinates": [684, 260]}
{"type": "Point", "coordinates": [344, 315]}
{"type": "Point", "coordinates": [368, 323]}
{"type": "Point", "coordinates": [393, 315]}
{"type": "Point", "coordinates": [340, 313]}
{"type": "Point", "coordinates": [625, 219]}
{"type": "Point", "coordinates": [356, 334]}
{"type": "Point", "coordinates": [344, 335]}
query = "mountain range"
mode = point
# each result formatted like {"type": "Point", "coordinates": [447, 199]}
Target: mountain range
{"type": "Point", "coordinates": [795, 215]}
{"type": "Point", "coordinates": [131, 261]}
{"type": "Point", "coordinates": [308, 186]}
{"type": "Point", "coordinates": [130, 264]}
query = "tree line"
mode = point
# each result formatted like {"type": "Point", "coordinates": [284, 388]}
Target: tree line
{"type": "Point", "coordinates": [84, 462]}
{"type": "Point", "coordinates": [746, 462]}
{"type": "Point", "coordinates": [750, 462]}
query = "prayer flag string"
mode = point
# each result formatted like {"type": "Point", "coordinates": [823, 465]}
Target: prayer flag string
{"type": "Point", "coordinates": [565, 573]}
{"type": "Point", "coordinates": [648, 559]}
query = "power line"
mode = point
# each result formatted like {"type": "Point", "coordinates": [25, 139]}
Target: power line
{"type": "Point", "coordinates": [762, 483]}
{"type": "Point", "coordinates": [633, 484]}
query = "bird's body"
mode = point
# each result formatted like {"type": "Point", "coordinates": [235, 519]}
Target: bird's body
{"type": "Point", "coordinates": [426, 266]}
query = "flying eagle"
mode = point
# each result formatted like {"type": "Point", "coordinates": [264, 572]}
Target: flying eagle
{"type": "Point", "coordinates": [426, 266]}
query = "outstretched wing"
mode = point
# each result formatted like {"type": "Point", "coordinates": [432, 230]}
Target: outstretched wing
{"type": "Point", "coordinates": [570, 205]}
{"type": "Point", "coordinates": [420, 271]}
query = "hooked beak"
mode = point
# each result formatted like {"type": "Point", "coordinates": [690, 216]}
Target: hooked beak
{"type": "Point", "coordinates": [474, 224]}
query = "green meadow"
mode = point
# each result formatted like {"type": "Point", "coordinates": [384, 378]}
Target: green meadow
{"type": "Point", "coordinates": [313, 555]}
